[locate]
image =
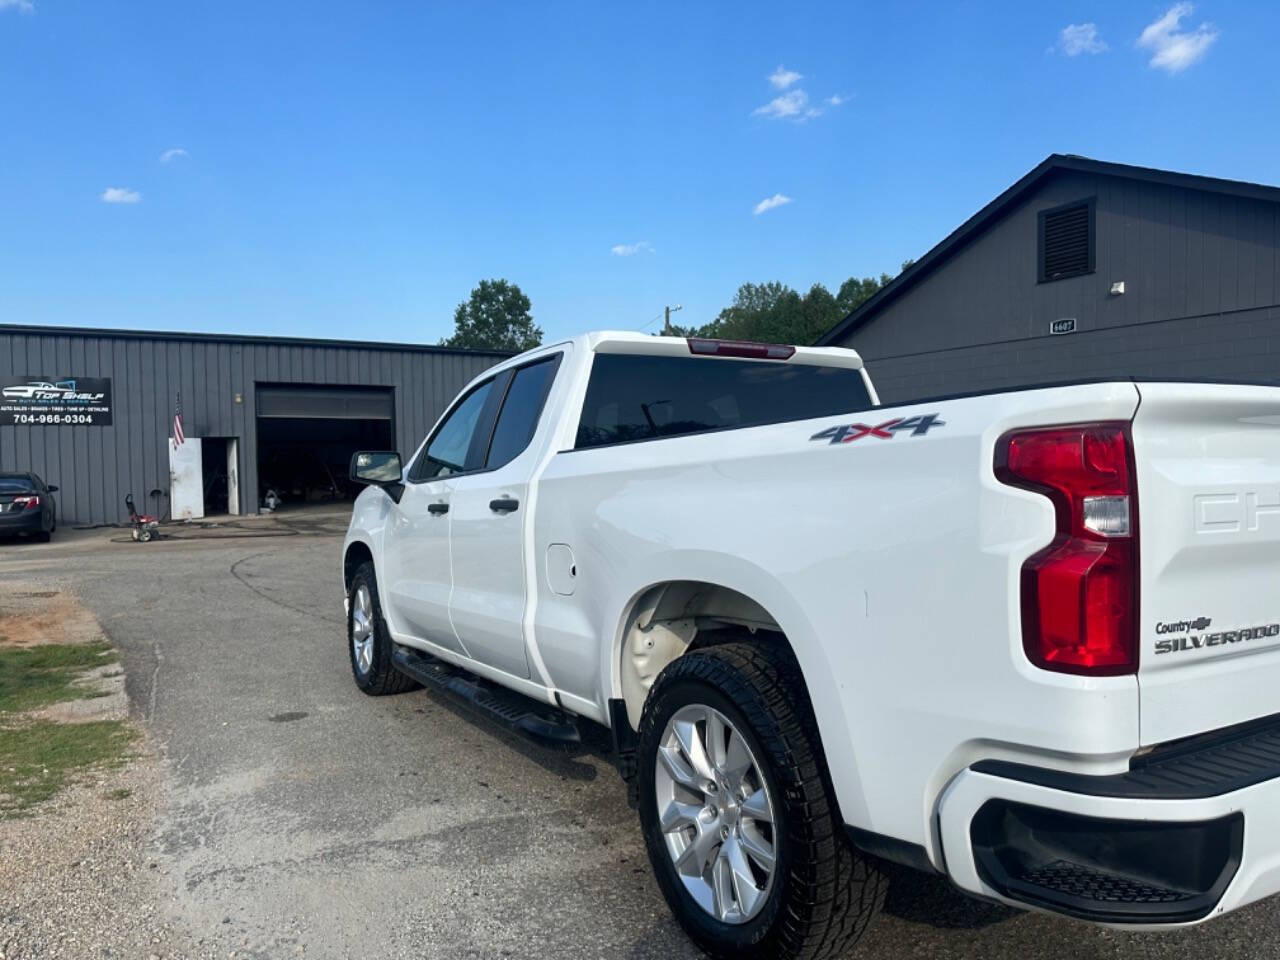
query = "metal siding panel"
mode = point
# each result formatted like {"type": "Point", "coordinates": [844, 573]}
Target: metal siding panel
{"type": "Point", "coordinates": [106, 459]}
{"type": "Point", "coordinates": [1085, 306]}
{"type": "Point", "coordinates": [1197, 269]}
{"type": "Point", "coordinates": [250, 358]}
{"type": "Point", "coordinates": [1178, 253]}
{"type": "Point", "coordinates": [226, 400]}
{"type": "Point", "coordinates": [21, 434]}
{"type": "Point", "coordinates": [1212, 254]}
{"type": "Point", "coordinates": [1147, 252]}
{"type": "Point", "coordinates": [193, 380]}
{"type": "Point", "coordinates": [1131, 240]}
{"type": "Point", "coordinates": [85, 480]}
{"type": "Point", "coordinates": [134, 482]}
{"type": "Point", "coordinates": [64, 438]}
{"type": "Point", "coordinates": [235, 362]}
{"type": "Point", "coordinates": [1275, 253]}
{"type": "Point", "coordinates": [1158, 272]}
{"type": "Point", "coordinates": [1229, 242]}
{"type": "Point", "coordinates": [39, 440]}
{"type": "Point", "coordinates": [309, 373]}
{"type": "Point", "coordinates": [146, 390]}
{"type": "Point", "coordinates": [1268, 252]}
{"type": "Point", "coordinates": [120, 417]}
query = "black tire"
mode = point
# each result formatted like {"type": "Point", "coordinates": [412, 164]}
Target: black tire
{"type": "Point", "coordinates": [824, 893]}
{"type": "Point", "coordinates": [382, 677]}
{"type": "Point", "coordinates": [43, 536]}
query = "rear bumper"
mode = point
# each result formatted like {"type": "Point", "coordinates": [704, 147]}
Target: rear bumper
{"type": "Point", "coordinates": [28, 521]}
{"type": "Point", "coordinates": [1192, 835]}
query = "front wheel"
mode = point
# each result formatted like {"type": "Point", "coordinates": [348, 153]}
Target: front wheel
{"type": "Point", "coordinates": [739, 820]}
{"type": "Point", "coordinates": [368, 639]}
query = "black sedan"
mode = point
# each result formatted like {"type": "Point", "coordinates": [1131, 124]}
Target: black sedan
{"type": "Point", "coordinates": [26, 506]}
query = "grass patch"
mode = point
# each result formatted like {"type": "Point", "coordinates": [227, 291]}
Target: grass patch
{"type": "Point", "coordinates": [39, 759]}
{"type": "Point", "coordinates": [32, 677]}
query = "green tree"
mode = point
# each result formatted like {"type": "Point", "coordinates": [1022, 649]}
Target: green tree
{"type": "Point", "coordinates": [775, 313]}
{"type": "Point", "coordinates": [496, 317]}
{"type": "Point", "coordinates": [856, 291]}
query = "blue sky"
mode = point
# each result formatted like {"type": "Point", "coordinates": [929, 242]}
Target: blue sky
{"type": "Point", "coordinates": [352, 170]}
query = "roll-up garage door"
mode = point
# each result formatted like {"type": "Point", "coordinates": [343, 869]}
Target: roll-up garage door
{"type": "Point", "coordinates": [324, 403]}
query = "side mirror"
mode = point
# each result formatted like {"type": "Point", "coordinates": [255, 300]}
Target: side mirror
{"type": "Point", "coordinates": [52, 488]}
{"type": "Point", "coordinates": [381, 468]}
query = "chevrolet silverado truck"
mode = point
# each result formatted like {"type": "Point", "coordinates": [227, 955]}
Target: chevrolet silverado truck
{"type": "Point", "coordinates": [1028, 640]}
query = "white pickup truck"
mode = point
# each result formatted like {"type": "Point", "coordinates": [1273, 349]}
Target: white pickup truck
{"type": "Point", "coordinates": [1029, 640]}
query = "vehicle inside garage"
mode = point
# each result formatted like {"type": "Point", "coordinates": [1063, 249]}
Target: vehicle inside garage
{"type": "Point", "coordinates": [306, 436]}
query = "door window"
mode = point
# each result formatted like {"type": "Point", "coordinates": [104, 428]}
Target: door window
{"type": "Point", "coordinates": [520, 411]}
{"type": "Point", "coordinates": [446, 453]}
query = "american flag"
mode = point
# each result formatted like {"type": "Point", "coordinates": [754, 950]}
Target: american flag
{"type": "Point", "coordinates": [177, 422]}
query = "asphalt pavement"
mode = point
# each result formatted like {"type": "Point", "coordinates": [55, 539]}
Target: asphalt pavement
{"type": "Point", "coordinates": [301, 818]}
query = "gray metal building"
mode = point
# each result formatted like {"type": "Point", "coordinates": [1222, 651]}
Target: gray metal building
{"type": "Point", "coordinates": [1084, 269]}
{"type": "Point", "coordinates": [92, 411]}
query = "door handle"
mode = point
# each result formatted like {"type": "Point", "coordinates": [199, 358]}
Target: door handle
{"type": "Point", "coordinates": [504, 505]}
{"type": "Point", "coordinates": [437, 508]}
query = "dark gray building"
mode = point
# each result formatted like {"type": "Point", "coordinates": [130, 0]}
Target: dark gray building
{"type": "Point", "coordinates": [1084, 269]}
{"type": "Point", "coordinates": [93, 412]}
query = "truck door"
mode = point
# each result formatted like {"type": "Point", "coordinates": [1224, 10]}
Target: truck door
{"type": "Point", "coordinates": [489, 521]}
{"type": "Point", "coordinates": [416, 571]}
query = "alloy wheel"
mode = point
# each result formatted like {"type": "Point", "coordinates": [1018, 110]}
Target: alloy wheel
{"type": "Point", "coordinates": [716, 814]}
{"type": "Point", "coordinates": [362, 633]}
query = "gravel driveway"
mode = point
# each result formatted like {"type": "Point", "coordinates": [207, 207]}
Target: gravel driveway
{"type": "Point", "coordinates": [298, 817]}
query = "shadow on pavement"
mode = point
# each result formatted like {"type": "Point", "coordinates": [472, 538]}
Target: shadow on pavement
{"type": "Point", "coordinates": [921, 898]}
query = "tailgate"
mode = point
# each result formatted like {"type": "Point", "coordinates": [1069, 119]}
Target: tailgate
{"type": "Point", "coordinates": [1208, 465]}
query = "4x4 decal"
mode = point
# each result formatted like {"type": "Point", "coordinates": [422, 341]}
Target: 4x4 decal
{"type": "Point", "coordinates": [848, 432]}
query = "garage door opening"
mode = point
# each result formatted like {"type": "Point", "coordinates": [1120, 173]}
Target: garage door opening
{"type": "Point", "coordinates": [306, 436]}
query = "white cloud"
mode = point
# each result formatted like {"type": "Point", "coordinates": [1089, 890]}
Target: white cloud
{"type": "Point", "coordinates": [173, 153]}
{"type": "Point", "coordinates": [783, 78]}
{"type": "Point", "coordinates": [120, 195]}
{"type": "Point", "coordinates": [631, 249]}
{"type": "Point", "coordinates": [22, 6]}
{"type": "Point", "coordinates": [769, 203]}
{"type": "Point", "coordinates": [1078, 38]}
{"type": "Point", "coordinates": [1173, 49]}
{"type": "Point", "coordinates": [794, 104]}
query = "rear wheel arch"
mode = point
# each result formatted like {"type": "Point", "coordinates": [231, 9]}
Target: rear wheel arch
{"type": "Point", "coordinates": [666, 620]}
{"type": "Point", "coordinates": [683, 615]}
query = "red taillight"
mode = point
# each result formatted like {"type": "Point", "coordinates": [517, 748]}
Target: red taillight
{"type": "Point", "coordinates": [740, 348]}
{"type": "Point", "coordinates": [1080, 593]}
{"type": "Point", "coordinates": [32, 501]}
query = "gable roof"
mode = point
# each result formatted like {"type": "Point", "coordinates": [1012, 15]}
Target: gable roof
{"type": "Point", "coordinates": [997, 207]}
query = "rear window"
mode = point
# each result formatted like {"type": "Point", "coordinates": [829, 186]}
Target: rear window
{"type": "Point", "coordinates": [16, 485]}
{"type": "Point", "coordinates": [634, 397]}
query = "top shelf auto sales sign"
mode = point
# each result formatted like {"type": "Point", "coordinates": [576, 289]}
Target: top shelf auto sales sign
{"type": "Point", "coordinates": [75, 401]}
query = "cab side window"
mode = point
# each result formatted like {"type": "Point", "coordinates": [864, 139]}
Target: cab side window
{"type": "Point", "coordinates": [521, 409]}
{"type": "Point", "coordinates": [446, 453]}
